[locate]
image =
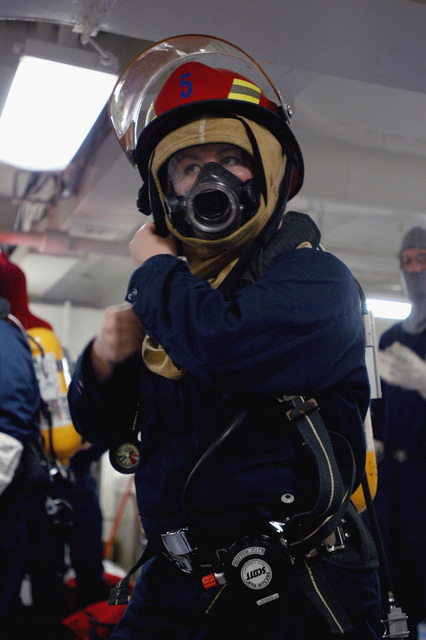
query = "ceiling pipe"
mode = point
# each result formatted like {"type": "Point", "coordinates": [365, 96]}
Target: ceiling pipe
{"type": "Point", "coordinates": [60, 243]}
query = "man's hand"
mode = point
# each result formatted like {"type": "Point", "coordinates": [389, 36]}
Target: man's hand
{"type": "Point", "coordinates": [146, 244]}
{"type": "Point", "coordinates": [120, 336]}
{"type": "Point", "coordinates": [400, 366]}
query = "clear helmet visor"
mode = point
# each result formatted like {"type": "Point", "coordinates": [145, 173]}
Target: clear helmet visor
{"type": "Point", "coordinates": [142, 80]}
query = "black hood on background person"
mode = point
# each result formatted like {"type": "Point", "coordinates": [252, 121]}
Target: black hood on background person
{"type": "Point", "coordinates": [415, 283]}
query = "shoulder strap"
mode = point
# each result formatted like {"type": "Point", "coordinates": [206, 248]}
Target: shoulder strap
{"type": "Point", "coordinates": [276, 237]}
{"type": "Point", "coordinates": [305, 531]}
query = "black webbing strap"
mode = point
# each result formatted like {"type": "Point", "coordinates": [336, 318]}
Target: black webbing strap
{"type": "Point", "coordinates": [306, 530]}
{"type": "Point", "coordinates": [119, 594]}
{"type": "Point", "coordinates": [316, 588]}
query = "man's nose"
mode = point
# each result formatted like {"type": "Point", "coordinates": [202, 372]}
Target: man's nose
{"type": "Point", "coordinates": [415, 267]}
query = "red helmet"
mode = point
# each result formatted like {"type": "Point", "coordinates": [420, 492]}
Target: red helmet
{"type": "Point", "coordinates": [170, 84]}
{"type": "Point", "coordinates": [196, 82]}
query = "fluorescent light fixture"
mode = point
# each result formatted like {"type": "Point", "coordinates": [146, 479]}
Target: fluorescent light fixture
{"type": "Point", "coordinates": [56, 95]}
{"type": "Point", "coordinates": [389, 309]}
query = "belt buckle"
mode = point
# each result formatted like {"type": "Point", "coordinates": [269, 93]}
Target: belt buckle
{"type": "Point", "coordinates": [336, 540]}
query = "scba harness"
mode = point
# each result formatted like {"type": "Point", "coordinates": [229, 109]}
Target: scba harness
{"type": "Point", "coordinates": [256, 567]}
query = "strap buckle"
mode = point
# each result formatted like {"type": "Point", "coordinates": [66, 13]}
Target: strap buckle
{"type": "Point", "coordinates": [336, 541]}
{"type": "Point", "coordinates": [300, 406]}
{"type": "Point", "coordinates": [179, 549]}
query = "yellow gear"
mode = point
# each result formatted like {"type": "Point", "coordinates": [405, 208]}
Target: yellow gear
{"type": "Point", "coordinates": [358, 497]}
{"type": "Point", "coordinates": [52, 368]}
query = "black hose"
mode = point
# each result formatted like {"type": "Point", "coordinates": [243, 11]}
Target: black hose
{"type": "Point", "coordinates": [375, 529]}
{"type": "Point", "coordinates": [193, 476]}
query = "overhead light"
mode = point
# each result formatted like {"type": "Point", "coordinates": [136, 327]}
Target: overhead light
{"type": "Point", "coordinates": [389, 309]}
{"type": "Point", "coordinates": [56, 96]}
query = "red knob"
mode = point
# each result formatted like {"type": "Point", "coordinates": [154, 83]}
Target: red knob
{"type": "Point", "coordinates": [209, 581]}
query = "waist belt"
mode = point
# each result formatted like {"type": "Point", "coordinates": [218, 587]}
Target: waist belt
{"type": "Point", "coordinates": [179, 550]}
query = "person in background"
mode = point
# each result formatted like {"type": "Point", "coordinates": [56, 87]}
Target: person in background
{"type": "Point", "coordinates": [241, 502]}
{"type": "Point", "coordinates": [399, 424]}
{"type": "Point", "coordinates": [27, 534]}
{"type": "Point", "coordinates": [78, 489]}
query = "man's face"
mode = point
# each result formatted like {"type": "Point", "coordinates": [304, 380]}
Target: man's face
{"type": "Point", "coordinates": [413, 260]}
{"type": "Point", "coordinates": [185, 165]}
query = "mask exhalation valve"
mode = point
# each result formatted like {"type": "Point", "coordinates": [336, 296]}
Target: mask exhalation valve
{"type": "Point", "coordinates": [217, 204]}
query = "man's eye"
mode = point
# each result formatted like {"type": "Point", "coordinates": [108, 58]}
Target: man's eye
{"type": "Point", "coordinates": [191, 168]}
{"type": "Point", "coordinates": [231, 160]}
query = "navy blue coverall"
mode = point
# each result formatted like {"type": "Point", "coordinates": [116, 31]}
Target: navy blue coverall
{"type": "Point", "coordinates": [297, 330]}
{"type": "Point", "coordinates": [399, 421]}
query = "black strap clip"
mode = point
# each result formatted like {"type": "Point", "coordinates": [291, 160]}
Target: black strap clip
{"type": "Point", "coordinates": [119, 594]}
{"type": "Point", "coordinates": [300, 406]}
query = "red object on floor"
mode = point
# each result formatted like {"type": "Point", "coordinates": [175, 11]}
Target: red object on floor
{"type": "Point", "coordinates": [95, 622]}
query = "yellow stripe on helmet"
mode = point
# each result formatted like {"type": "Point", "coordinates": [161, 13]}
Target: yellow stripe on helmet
{"type": "Point", "coordinates": [244, 90]}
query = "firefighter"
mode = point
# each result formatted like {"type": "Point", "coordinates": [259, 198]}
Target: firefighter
{"type": "Point", "coordinates": [238, 358]}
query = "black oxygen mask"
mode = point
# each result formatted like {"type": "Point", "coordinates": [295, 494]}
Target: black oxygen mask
{"type": "Point", "coordinates": [217, 204]}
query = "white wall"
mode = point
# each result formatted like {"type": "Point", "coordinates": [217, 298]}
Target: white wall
{"type": "Point", "coordinates": [74, 326]}
{"type": "Point", "coordinates": [382, 325]}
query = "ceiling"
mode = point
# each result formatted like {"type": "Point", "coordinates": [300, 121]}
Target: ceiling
{"type": "Point", "coordinates": [353, 72]}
